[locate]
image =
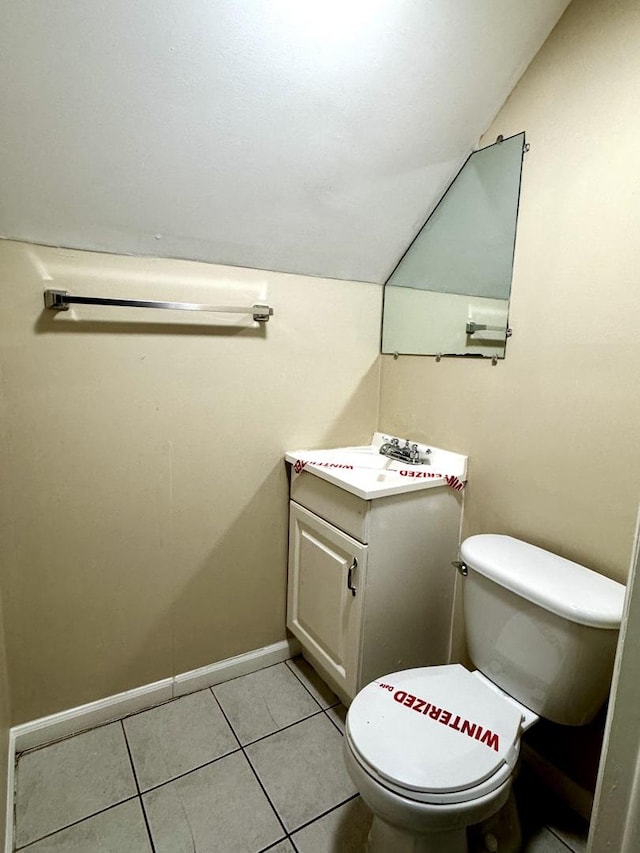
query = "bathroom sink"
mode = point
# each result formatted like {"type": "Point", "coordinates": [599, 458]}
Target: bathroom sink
{"type": "Point", "coordinates": [365, 472]}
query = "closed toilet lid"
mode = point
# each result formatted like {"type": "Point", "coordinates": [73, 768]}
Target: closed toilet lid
{"type": "Point", "coordinates": [434, 729]}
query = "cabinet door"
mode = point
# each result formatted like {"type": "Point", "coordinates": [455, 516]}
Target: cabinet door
{"type": "Point", "coordinates": [322, 610]}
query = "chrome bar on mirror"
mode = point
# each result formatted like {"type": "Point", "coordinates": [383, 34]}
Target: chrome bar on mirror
{"type": "Point", "coordinates": [472, 328]}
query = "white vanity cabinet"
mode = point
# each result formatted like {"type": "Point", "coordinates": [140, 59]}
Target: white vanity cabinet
{"type": "Point", "coordinates": [371, 585]}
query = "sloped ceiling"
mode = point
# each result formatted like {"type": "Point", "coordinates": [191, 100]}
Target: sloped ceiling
{"type": "Point", "coordinates": [308, 136]}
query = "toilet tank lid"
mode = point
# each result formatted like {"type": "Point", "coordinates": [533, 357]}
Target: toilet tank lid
{"type": "Point", "coordinates": [560, 586]}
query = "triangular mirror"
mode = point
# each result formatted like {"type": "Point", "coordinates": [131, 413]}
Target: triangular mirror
{"type": "Point", "coordinates": [449, 293]}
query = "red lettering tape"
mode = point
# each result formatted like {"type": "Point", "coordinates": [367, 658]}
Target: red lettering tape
{"type": "Point", "coordinates": [455, 724]}
{"type": "Point", "coordinates": [490, 739]}
{"type": "Point", "coordinates": [446, 718]}
{"type": "Point", "coordinates": [450, 479]}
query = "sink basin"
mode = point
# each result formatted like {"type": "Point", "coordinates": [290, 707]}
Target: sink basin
{"type": "Point", "coordinates": [364, 472]}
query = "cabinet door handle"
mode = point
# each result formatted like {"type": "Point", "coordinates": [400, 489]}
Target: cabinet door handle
{"type": "Point", "coordinates": [353, 566]}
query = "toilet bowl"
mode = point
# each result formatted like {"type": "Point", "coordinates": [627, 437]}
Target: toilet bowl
{"type": "Point", "coordinates": [432, 752]}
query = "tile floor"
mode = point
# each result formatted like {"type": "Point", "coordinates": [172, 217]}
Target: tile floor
{"type": "Point", "coordinates": [251, 765]}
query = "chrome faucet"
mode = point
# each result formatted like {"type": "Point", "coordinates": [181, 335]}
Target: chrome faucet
{"type": "Point", "coordinates": [409, 453]}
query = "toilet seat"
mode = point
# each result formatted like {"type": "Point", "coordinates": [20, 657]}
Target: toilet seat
{"type": "Point", "coordinates": [434, 734]}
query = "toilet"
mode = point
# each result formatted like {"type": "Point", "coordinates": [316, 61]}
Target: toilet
{"type": "Point", "coordinates": [432, 750]}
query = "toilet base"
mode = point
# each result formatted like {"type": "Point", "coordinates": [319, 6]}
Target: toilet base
{"type": "Point", "coordinates": [384, 838]}
{"type": "Point", "coordinates": [500, 832]}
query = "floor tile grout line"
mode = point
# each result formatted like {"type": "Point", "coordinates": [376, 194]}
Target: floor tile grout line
{"type": "Point", "coordinates": [283, 729]}
{"type": "Point", "coordinates": [323, 711]}
{"type": "Point", "coordinates": [103, 725]}
{"type": "Point", "coordinates": [86, 731]}
{"type": "Point", "coordinates": [135, 779]}
{"type": "Point", "coordinates": [294, 673]}
{"type": "Point", "coordinates": [131, 761]}
{"type": "Point", "coordinates": [264, 791]}
{"type": "Point", "coordinates": [239, 748]}
{"type": "Point", "coordinates": [253, 770]}
{"type": "Point", "coordinates": [76, 823]}
{"type": "Point", "coordinates": [325, 813]}
{"type": "Point", "coordinates": [301, 682]}
{"type": "Point", "coordinates": [275, 844]}
{"type": "Point", "coordinates": [332, 721]}
{"type": "Point", "coordinates": [269, 734]}
{"type": "Point", "coordinates": [146, 823]}
{"type": "Point", "coordinates": [189, 772]}
{"type": "Point", "coordinates": [560, 838]}
{"type": "Point", "coordinates": [121, 720]}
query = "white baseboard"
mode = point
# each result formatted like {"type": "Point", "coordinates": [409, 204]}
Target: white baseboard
{"type": "Point", "coordinates": [74, 720]}
{"type": "Point", "coordinates": [65, 723]}
{"type": "Point", "coordinates": [70, 722]}
{"type": "Point", "coordinates": [224, 670]}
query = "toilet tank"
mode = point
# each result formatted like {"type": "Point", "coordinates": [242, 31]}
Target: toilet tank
{"type": "Point", "coordinates": [542, 628]}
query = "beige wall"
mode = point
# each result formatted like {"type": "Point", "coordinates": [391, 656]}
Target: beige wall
{"type": "Point", "coordinates": [145, 496]}
{"type": "Point", "coordinates": [552, 432]}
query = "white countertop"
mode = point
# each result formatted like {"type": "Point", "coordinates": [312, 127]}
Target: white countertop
{"type": "Point", "coordinates": [365, 472]}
